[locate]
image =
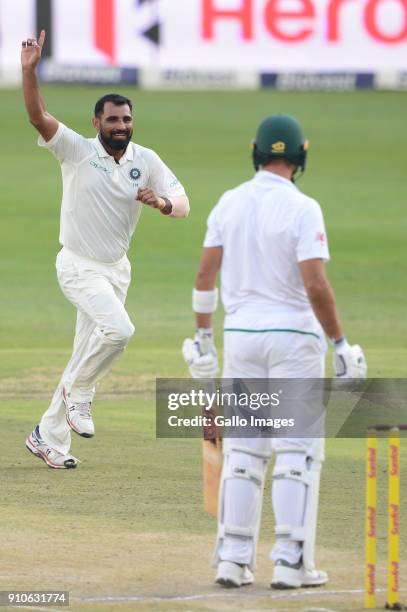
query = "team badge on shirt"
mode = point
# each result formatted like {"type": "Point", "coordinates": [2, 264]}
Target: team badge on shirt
{"type": "Point", "coordinates": [135, 174]}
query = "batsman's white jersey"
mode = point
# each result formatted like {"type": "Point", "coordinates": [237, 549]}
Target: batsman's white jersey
{"type": "Point", "coordinates": [266, 226]}
{"type": "Point", "coordinates": [99, 212]}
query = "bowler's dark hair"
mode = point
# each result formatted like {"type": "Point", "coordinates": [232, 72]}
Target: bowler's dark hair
{"type": "Point", "coordinates": [116, 99]}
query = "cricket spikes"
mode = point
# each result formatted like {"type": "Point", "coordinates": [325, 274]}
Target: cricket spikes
{"type": "Point", "coordinates": [295, 575]}
{"type": "Point", "coordinates": [233, 575]}
{"type": "Point", "coordinates": [53, 458]}
{"type": "Point", "coordinates": [78, 416]}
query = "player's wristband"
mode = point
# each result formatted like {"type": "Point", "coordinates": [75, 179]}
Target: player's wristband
{"type": "Point", "coordinates": [205, 302]}
{"type": "Point", "coordinates": [167, 210]}
{"type": "Point", "coordinates": [337, 342]}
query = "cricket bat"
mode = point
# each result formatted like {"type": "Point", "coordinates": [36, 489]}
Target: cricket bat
{"type": "Point", "coordinates": [212, 464]}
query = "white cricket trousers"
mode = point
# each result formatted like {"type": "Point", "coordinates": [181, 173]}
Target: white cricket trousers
{"type": "Point", "coordinates": [268, 355]}
{"type": "Point", "coordinates": [103, 330]}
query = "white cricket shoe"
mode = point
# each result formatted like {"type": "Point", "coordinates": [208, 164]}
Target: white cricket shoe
{"type": "Point", "coordinates": [79, 416]}
{"type": "Point", "coordinates": [233, 575]}
{"type": "Point", "coordinates": [53, 458]}
{"type": "Point", "coordinates": [295, 575]}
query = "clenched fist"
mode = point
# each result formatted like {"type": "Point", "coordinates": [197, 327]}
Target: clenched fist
{"type": "Point", "coordinates": [147, 196]}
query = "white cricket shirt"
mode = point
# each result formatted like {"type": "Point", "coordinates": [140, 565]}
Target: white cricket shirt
{"type": "Point", "coordinates": [99, 212]}
{"type": "Point", "coordinates": [266, 226]}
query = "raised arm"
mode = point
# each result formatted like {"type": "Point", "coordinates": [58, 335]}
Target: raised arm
{"type": "Point", "coordinates": [45, 123]}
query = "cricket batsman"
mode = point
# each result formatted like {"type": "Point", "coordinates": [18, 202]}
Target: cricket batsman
{"type": "Point", "coordinates": [106, 182]}
{"type": "Point", "coordinates": [269, 242]}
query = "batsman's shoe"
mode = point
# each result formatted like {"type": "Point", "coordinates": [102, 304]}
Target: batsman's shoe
{"type": "Point", "coordinates": [53, 458]}
{"type": "Point", "coordinates": [295, 575]}
{"type": "Point", "coordinates": [232, 575]}
{"type": "Point", "coordinates": [79, 416]}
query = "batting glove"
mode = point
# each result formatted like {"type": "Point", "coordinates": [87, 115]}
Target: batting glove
{"type": "Point", "coordinates": [349, 361]}
{"type": "Point", "coordinates": [200, 354]}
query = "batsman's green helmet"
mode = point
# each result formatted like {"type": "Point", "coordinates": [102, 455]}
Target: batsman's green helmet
{"type": "Point", "coordinates": [280, 137]}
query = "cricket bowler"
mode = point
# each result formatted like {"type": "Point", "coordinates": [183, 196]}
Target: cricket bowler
{"type": "Point", "coordinates": [106, 182]}
{"type": "Point", "coordinates": [269, 242]}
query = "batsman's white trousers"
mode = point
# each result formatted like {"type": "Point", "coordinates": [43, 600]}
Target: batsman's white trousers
{"type": "Point", "coordinates": [103, 329]}
{"type": "Point", "coordinates": [268, 355]}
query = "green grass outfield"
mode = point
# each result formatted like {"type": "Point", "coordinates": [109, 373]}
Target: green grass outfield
{"type": "Point", "coordinates": [128, 523]}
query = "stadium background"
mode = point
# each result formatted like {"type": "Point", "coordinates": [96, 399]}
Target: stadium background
{"type": "Point", "coordinates": [129, 522]}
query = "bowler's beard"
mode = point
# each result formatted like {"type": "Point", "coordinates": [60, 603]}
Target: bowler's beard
{"type": "Point", "coordinates": [113, 143]}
